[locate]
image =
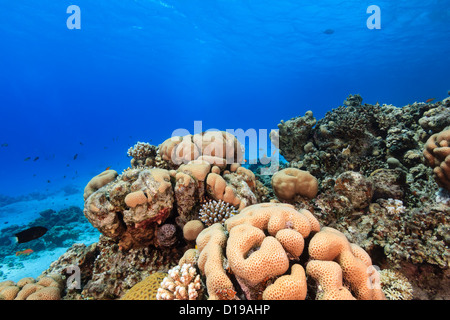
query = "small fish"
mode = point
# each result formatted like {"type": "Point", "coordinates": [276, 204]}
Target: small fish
{"type": "Point", "coordinates": [429, 100]}
{"type": "Point", "coordinates": [27, 159]}
{"type": "Point", "coordinates": [274, 152]}
{"type": "Point", "coordinates": [4, 144]}
{"type": "Point", "coordinates": [226, 294]}
{"type": "Point", "coordinates": [68, 165]}
{"type": "Point", "coordinates": [29, 234]}
{"type": "Point", "coordinates": [64, 177]}
{"type": "Point", "coordinates": [75, 156]}
{"type": "Point", "coordinates": [107, 168]}
{"type": "Point", "coordinates": [24, 252]}
{"type": "Point", "coordinates": [105, 148]}
{"type": "Point", "coordinates": [48, 181]}
{"type": "Point", "coordinates": [81, 144]}
{"type": "Point", "coordinates": [36, 159]}
{"type": "Point", "coordinates": [329, 31]}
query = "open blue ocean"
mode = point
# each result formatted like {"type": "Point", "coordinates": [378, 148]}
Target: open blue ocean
{"type": "Point", "coordinates": [80, 85]}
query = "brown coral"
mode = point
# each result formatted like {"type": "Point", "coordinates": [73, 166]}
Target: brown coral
{"type": "Point", "coordinates": [211, 243]}
{"type": "Point", "coordinates": [288, 183]}
{"type": "Point", "coordinates": [99, 181]}
{"type": "Point", "coordinates": [214, 147]}
{"type": "Point", "coordinates": [331, 245]}
{"type": "Point", "coordinates": [437, 155]}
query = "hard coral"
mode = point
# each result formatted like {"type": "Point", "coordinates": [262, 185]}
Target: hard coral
{"type": "Point", "coordinates": [99, 181]}
{"type": "Point", "coordinates": [216, 212]}
{"type": "Point", "coordinates": [331, 245]}
{"type": "Point", "coordinates": [214, 147]}
{"type": "Point", "coordinates": [46, 288]}
{"type": "Point", "coordinates": [211, 243]}
{"type": "Point", "coordinates": [290, 182]}
{"type": "Point", "coordinates": [437, 154]}
{"type": "Point", "coordinates": [147, 289]}
{"type": "Point", "coordinates": [182, 283]}
{"type": "Point", "coordinates": [255, 256]}
{"type": "Point", "coordinates": [192, 229]}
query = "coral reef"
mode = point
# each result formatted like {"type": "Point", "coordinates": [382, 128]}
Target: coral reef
{"type": "Point", "coordinates": [360, 211]}
{"type": "Point", "coordinates": [375, 186]}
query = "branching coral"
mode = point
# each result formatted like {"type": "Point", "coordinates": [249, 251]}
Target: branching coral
{"type": "Point", "coordinates": [216, 212]}
{"type": "Point", "coordinates": [395, 285]}
{"type": "Point", "coordinates": [182, 283]}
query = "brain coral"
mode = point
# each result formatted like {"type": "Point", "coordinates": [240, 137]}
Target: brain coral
{"type": "Point", "coordinates": [331, 245]}
{"type": "Point", "coordinates": [289, 182]}
{"type": "Point", "coordinates": [255, 256]}
{"type": "Point", "coordinates": [47, 288]}
{"type": "Point", "coordinates": [437, 154]}
{"type": "Point", "coordinates": [262, 254]}
{"type": "Point", "coordinates": [146, 289]}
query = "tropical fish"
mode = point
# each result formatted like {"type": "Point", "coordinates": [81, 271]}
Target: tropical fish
{"type": "Point", "coordinates": [30, 234]}
{"type": "Point", "coordinates": [24, 252]}
{"type": "Point", "coordinates": [4, 144]}
{"type": "Point", "coordinates": [81, 144]}
{"type": "Point", "coordinates": [226, 294]}
{"type": "Point", "coordinates": [27, 158]}
{"type": "Point", "coordinates": [107, 168]}
{"type": "Point", "coordinates": [75, 156]}
{"type": "Point", "coordinates": [329, 31]}
{"type": "Point", "coordinates": [429, 100]}
{"type": "Point", "coordinates": [35, 159]}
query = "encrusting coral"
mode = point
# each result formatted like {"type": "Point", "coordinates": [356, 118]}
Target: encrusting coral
{"type": "Point", "coordinates": [146, 289]}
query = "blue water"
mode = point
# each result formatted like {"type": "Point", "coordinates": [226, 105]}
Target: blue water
{"type": "Point", "coordinates": [137, 70]}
